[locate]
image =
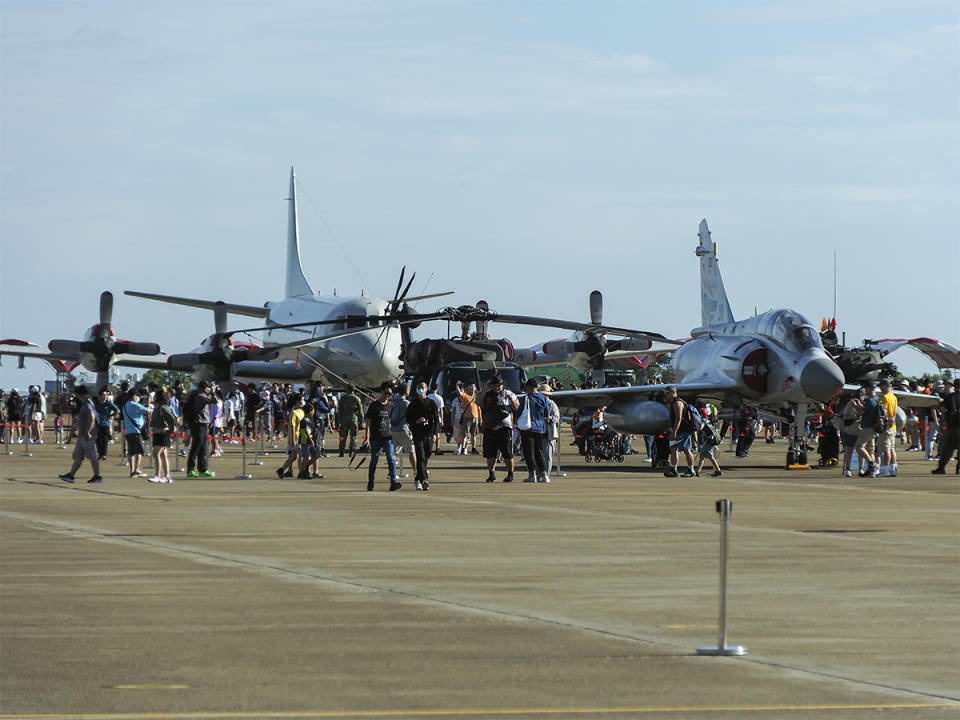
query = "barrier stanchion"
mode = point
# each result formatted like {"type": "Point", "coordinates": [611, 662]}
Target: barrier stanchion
{"type": "Point", "coordinates": [244, 475]}
{"type": "Point", "coordinates": [6, 437]}
{"type": "Point", "coordinates": [176, 452]}
{"type": "Point", "coordinates": [257, 453]}
{"type": "Point", "coordinates": [556, 456]}
{"type": "Point", "coordinates": [724, 508]}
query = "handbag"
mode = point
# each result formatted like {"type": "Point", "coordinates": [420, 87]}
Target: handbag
{"type": "Point", "coordinates": [525, 421]}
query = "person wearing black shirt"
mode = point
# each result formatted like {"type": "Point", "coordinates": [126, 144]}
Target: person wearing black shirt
{"type": "Point", "coordinates": [423, 416]}
{"type": "Point", "coordinates": [377, 421]}
{"type": "Point", "coordinates": [950, 440]}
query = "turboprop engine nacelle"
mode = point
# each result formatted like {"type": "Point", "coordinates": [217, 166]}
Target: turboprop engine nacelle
{"type": "Point", "coordinates": [638, 417]}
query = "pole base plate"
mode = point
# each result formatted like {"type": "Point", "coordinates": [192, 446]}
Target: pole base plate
{"type": "Point", "coordinates": [731, 650]}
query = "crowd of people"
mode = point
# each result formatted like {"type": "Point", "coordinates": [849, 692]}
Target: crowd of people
{"type": "Point", "coordinates": [403, 422]}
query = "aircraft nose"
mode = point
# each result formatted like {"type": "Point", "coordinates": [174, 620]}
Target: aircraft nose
{"type": "Point", "coordinates": [821, 379]}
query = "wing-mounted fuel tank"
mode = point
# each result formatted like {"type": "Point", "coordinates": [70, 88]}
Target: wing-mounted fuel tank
{"type": "Point", "coordinates": [638, 417]}
{"type": "Point", "coordinates": [731, 361]}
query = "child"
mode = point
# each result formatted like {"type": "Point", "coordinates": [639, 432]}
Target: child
{"type": "Point", "coordinates": [58, 428]}
{"type": "Point", "coordinates": [708, 441]}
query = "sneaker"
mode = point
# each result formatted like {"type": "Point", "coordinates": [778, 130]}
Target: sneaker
{"type": "Point", "coordinates": [395, 486]}
{"type": "Point", "coordinates": [155, 479]}
{"type": "Point", "coordinates": [419, 485]}
{"type": "Point", "coordinates": [192, 474]}
{"type": "Point", "coordinates": [545, 478]}
{"type": "Point", "coordinates": [208, 473]}
{"type": "Point", "coordinates": [370, 486]}
{"type": "Point", "coordinates": [66, 477]}
{"type": "Point", "coordinates": [688, 473]}
{"type": "Point", "coordinates": [671, 473]}
{"type": "Point", "coordinates": [847, 473]}
{"type": "Point", "coordinates": [138, 474]}
{"type": "Point", "coordinates": [279, 472]}
{"type": "Point", "coordinates": [426, 485]}
{"type": "Point", "coordinates": [166, 479]}
{"type": "Point", "coordinates": [508, 478]}
{"type": "Point", "coordinates": [317, 476]}
{"type": "Point", "coordinates": [95, 479]}
{"type": "Point", "coordinates": [491, 478]}
{"type": "Point", "coordinates": [530, 479]}
{"type": "Point", "coordinates": [716, 473]}
{"type": "Point", "coordinates": [935, 471]}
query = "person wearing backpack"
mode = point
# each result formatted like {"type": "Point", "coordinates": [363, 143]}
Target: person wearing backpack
{"type": "Point", "coordinates": [708, 441]}
{"type": "Point", "coordinates": [950, 441]}
{"type": "Point", "coordinates": [866, 437]}
{"type": "Point", "coordinates": [400, 428]}
{"type": "Point", "coordinates": [886, 427]}
{"type": "Point", "coordinates": [681, 432]}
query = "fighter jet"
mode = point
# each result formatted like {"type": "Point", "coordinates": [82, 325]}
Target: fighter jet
{"type": "Point", "coordinates": [771, 360]}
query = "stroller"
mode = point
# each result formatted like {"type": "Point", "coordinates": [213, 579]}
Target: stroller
{"type": "Point", "coordinates": [604, 444]}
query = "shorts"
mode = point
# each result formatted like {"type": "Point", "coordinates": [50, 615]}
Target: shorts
{"type": "Point", "coordinates": [85, 448]}
{"type": "Point", "coordinates": [308, 451]}
{"type": "Point", "coordinates": [134, 444]}
{"type": "Point", "coordinates": [470, 425]}
{"type": "Point", "coordinates": [498, 441]}
{"type": "Point", "coordinates": [886, 441]}
{"type": "Point", "coordinates": [865, 440]}
{"type": "Point", "coordinates": [706, 451]}
{"type": "Point", "coordinates": [848, 439]}
{"type": "Point", "coordinates": [161, 439]}
{"type": "Point", "coordinates": [37, 417]}
{"type": "Point", "coordinates": [684, 441]}
{"type": "Point", "coordinates": [402, 441]}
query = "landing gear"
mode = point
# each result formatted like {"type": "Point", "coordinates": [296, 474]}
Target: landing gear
{"type": "Point", "coordinates": [797, 455]}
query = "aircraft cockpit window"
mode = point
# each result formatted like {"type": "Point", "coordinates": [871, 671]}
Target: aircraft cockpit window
{"type": "Point", "coordinates": [794, 331]}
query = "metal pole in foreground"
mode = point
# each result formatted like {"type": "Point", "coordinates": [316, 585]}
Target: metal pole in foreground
{"type": "Point", "coordinates": [724, 507]}
{"type": "Point", "coordinates": [244, 475]}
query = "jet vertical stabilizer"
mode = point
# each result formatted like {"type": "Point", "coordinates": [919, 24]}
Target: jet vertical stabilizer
{"type": "Point", "coordinates": [296, 283]}
{"type": "Point", "coordinates": [714, 306]}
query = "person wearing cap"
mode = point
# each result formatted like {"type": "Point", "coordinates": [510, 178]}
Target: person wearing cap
{"type": "Point", "coordinates": [349, 420]}
{"type": "Point", "coordinates": [533, 437]}
{"type": "Point", "coordinates": [950, 440]}
{"type": "Point", "coordinates": [850, 417]}
{"type": "Point", "coordinates": [496, 408]}
{"type": "Point", "coordinates": [866, 438]}
{"type": "Point", "coordinates": [86, 446]}
{"type": "Point", "coordinates": [196, 413]}
{"type": "Point", "coordinates": [887, 440]}
{"type": "Point", "coordinates": [106, 410]}
{"type": "Point", "coordinates": [134, 417]}
{"type": "Point", "coordinates": [377, 419]}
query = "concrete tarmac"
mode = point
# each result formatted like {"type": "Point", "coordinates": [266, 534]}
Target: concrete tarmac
{"type": "Point", "coordinates": [585, 598]}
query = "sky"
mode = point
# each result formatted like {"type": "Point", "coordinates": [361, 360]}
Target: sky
{"type": "Point", "coordinates": [525, 152]}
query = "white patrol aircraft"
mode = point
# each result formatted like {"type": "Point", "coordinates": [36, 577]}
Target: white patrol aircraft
{"type": "Point", "coordinates": [772, 360]}
{"type": "Point", "coordinates": [353, 339]}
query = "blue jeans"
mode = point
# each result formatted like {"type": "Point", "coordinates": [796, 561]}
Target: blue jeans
{"type": "Point", "coordinates": [377, 446]}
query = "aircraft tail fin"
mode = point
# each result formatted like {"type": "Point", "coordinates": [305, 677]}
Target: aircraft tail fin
{"type": "Point", "coordinates": [714, 306]}
{"type": "Point", "coordinates": [296, 282]}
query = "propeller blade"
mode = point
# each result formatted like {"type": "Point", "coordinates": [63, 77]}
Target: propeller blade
{"type": "Point", "coordinates": [629, 345]}
{"type": "Point", "coordinates": [106, 307]}
{"type": "Point", "coordinates": [403, 295]}
{"type": "Point", "coordinates": [396, 293]}
{"type": "Point", "coordinates": [184, 361]}
{"type": "Point", "coordinates": [596, 307]}
{"type": "Point", "coordinates": [220, 318]}
{"type": "Point", "coordinates": [136, 348]}
{"type": "Point", "coordinates": [65, 347]}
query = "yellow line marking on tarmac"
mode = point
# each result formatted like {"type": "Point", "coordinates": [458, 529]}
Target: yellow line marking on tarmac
{"type": "Point", "coordinates": [492, 712]}
{"type": "Point", "coordinates": [150, 687]}
{"type": "Point", "coordinates": [689, 627]}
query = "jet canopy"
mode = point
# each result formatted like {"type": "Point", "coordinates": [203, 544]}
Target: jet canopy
{"type": "Point", "coordinates": [790, 329]}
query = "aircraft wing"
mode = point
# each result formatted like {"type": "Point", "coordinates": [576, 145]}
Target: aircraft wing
{"type": "Point", "coordinates": [946, 357]}
{"type": "Point", "coordinates": [67, 362]}
{"type": "Point", "coordinates": [904, 399]}
{"type": "Point", "coordinates": [249, 310]}
{"type": "Point", "coordinates": [607, 396]}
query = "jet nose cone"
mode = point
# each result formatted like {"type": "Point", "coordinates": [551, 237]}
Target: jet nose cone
{"type": "Point", "coordinates": [821, 379]}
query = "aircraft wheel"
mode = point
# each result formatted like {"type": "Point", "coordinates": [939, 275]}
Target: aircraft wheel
{"type": "Point", "coordinates": [588, 458]}
{"type": "Point", "coordinates": [619, 458]}
{"type": "Point", "coordinates": [791, 458]}
{"type": "Point", "coordinates": [802, 458]}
